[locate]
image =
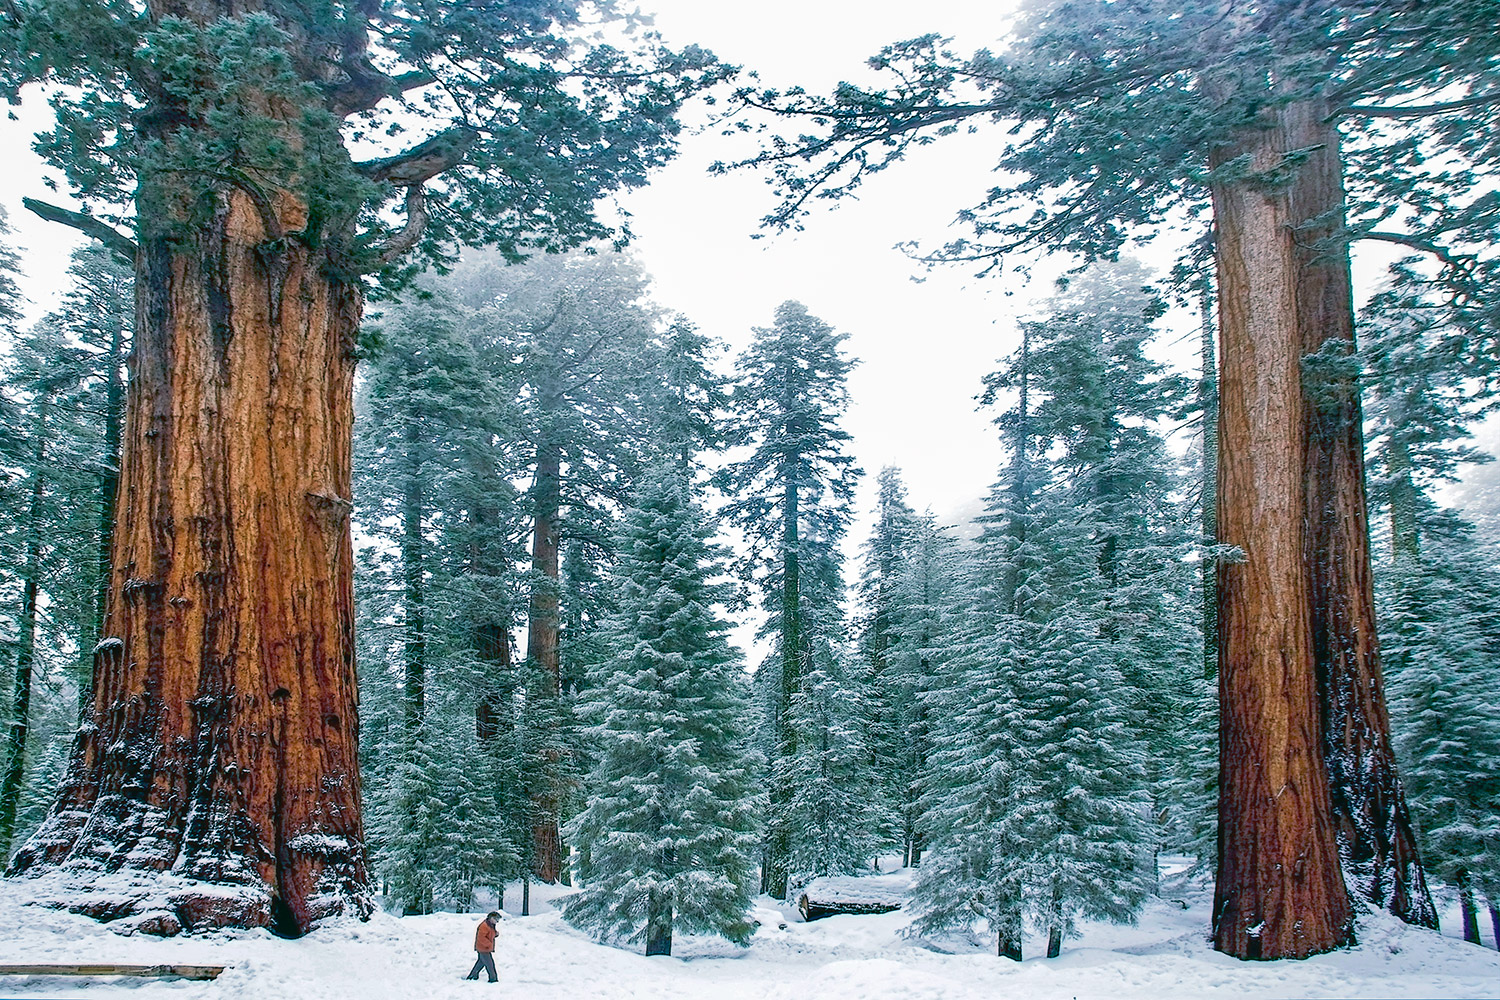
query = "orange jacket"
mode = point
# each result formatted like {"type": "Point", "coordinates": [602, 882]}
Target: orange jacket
{"type": "Point", "coordinates": [484, 938]}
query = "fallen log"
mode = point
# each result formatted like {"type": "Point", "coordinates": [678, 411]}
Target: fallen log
{"type": "Point", "coordinates": [142, 971]}
{"type": "Point", "coordinates": [830, 895]}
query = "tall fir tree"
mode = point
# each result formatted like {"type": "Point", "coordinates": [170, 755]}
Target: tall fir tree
{"type": "Point", "coordinates": [428, 404]}
{"type": "Point", "coordinates": [593, 372]}
{"type": "Point", "coordinates": [98, 312]}
{"type": "Point", "coordinates": [1438, 592]}
{"type": "Point", "coordinates": [50, 543]}
{"type": "Point", "coordinates": [670, 825]}
{"type": "Point", "coordinates": [791, 496]}
{"type": "Point", "coordinates": [1039, 793]}
{"type": "Point", "coordinates": [878, 600]}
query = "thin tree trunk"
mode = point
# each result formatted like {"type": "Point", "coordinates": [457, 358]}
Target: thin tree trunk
{"type": "Point", "coordinates": [14, 779]}
{"type": "Point", "coordinates": [223, 743]}
{"type": "Point", "coordinates": [779, 847]}
{"type": "Point", "coordinates": [1020, 477]}
{"type": "Point", "coordinates": [658, 925]}
{"type": "Point", "coordinates": [1376, 839]}
{"type": "Point", "coordinates": [1008, 944]}
{"type": "Point", "coordinates": [1054, 941]}
{"type": "Point", "coordinates": [109, 488]}
{"type": "Point", "coordinates": [1466, 906]}
{"type": "Point", "coordinates": [1280, 890]}
{"type": "Point", "coordinates": [1494, 922]}
{"type": "Point", "coordinates": [413, 568]}
{"type": "Point", "coordinates": [492, 709]}
{"type": "Point", "coordinates": [1405, 540]}
{"type": "Point", "coordinates": [414, 604]}
{"type": "Point", "coordinates": [541, 649]}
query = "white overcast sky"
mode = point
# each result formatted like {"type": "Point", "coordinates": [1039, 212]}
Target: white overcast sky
{"type": "Point", "coordinates": [922, 344]}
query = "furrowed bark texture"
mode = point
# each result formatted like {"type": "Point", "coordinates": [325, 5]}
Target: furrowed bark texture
{"type": "Point", "coordinates": [1280, 890]}
{"type": "Point", "coordinates": [1376, 839]}
{"type": "Point", "coordinates": [222, 743]}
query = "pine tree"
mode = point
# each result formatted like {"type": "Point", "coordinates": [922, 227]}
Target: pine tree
{"type": "Point", "coordinates": [791, 496]}
{"type": "Point", "coordinates": [1438, 594]}
{"type": "Point", "coordinates": [977, 843]}
{"type": "Point", "coordinates": [921, 593]}
{"type": "Point", "coordinates": [670, 823]}
{"type": "Point", "coordinates": [877, 598]}
{"type": "Point", "coordinates": [1038, 791]}
{"type": "Point", "coordinates": [98, 312]}
{"type": "Point", "coordinates": [426, 398]}
{"type": "Point", "coordinates": [1096, 403]}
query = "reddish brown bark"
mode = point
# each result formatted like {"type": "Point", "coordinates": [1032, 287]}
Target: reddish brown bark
{"type": "Point", "coordinates": [1376, 840]}
{"type": "Point", "coordinates": [222, 743]}
{"type": "Point", "coordinates": [1280, 891]}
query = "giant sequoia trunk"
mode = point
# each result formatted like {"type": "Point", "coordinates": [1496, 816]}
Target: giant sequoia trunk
{"type": "Point", "coordinates": [1280, 890]}
{"type": "Point", "coordinates": [1376, 839]}
{"type": "Point", "coordinates": [222, 742]}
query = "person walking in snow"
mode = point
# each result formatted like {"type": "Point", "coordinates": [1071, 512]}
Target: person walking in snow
{"type": "Point", "coordinates": [484, 945]}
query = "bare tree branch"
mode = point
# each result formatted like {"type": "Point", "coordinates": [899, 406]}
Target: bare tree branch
{"type": "Point", "coordinates": [86, 224]}
{"type": "Point", "coordinates": [416, 223]}
{"type": "Point", "coordinates": [366, 87]}
{"type": "Point", "coordinates": [1442, 253]}
{"type": "Point", "coordinates": [1423, 110]}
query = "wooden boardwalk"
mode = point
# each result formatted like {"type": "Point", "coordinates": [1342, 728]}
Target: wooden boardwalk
{"type": "Point", "coordinates": [144, 971]}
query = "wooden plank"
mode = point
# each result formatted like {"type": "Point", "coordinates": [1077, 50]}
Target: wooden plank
{"type": "Point", "coordinates": [144, 971]}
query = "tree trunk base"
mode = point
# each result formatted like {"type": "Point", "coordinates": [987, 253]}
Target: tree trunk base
{"type": "Point", "coordinates": [163, 904]}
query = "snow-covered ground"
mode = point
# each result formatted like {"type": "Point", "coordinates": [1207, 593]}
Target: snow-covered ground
{"type": "Point", "coordinates": [864, 957]}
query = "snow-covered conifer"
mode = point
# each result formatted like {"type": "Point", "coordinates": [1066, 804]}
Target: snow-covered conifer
{"type": "Point", "coordinates": [670, 823]}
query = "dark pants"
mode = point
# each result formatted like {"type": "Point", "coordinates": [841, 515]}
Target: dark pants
{"type": "Point", "coordinates": [485, 961]}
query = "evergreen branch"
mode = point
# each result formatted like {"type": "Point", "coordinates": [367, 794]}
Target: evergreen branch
{"type": "Point", "coordinates": [424, 161]}
{"type": "Point", "coordinates": [86, 224]}
{"type": "Point", "coordinates": [1424, 110]}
